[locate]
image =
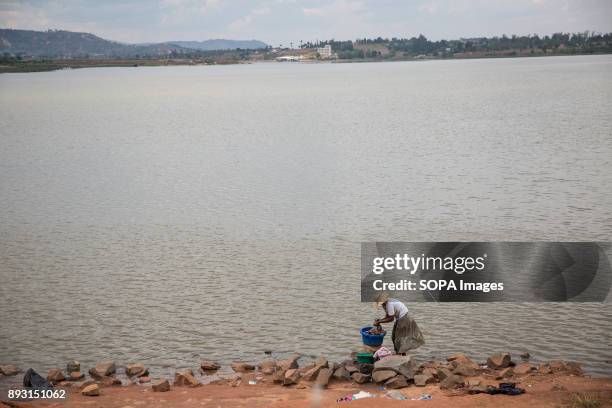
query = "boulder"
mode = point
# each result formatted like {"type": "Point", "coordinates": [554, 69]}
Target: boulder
{"type": "Point", "coordinates": [136, 370]}
{"type": "Point", "coordinates": [110, 381]}
{"type": "Point", "coordinates": [9, 369]}
{"type": "Point", "coordinates": [185, 378]}
{"type": "Point", "coordinates": [55, 375]}
{"type": "Point", "coordinates": [430, 371]}
{"type": "Point", "coordinates": [241, 367]}
{"type": "Point", "coordinates": [465, 369]}
{"type": "Point", "coordinates": [498, 360]}
{"type": "Point", "coordinates": [321, 362]}
{"type": "Point", "coordinates": [383, 375]}
{"type": "Point", "coordinates": [475, 386]}
{"type": "Point", "coordinates": [505, 373]}
{"type": "Point", "coordinates": [291, 376]}
{"type": "Point", "coordinates": [161, 386]}
{"type": "Point", "coordinates": [421, 380]}
{"type": "Point", "coordinates": [289, 363]}
{"type": "Point", "coordinates": [403, 365]}
{"type": "Point", "coordinates": [92, 390]}
{"type": "Point", "coordinates": [73, 366]}
{"type": "Point", "coordinates": [443, 373]}
{"type": "Point", "coordinates": [76, 376]}
{"type": "Point", "coordinates": [399, 381]}
{"type": "Point", "coordinates": [523, 368]}
{"type": "Point", "coordinates": [360, 378]}
{"type": "Point", "coordinates": [544, 368]}
{"type": "Point", "coordinates": [324, 377]}
{"type": "Point", "coordinates": [312, 373]}
{"type": "Point", "coordinates": [451, 382]}
{"type": "Point", "coordinates": [461, 360]}
{"type": "Point", "coordinates": [79, 386]}
{"type": "Point", "coordinates": [206, 365]}
{"type": "Point", "coordinates": [103, 369]}
{"type": "Point", "coordinates": [341, 373]}
{"type": "Point", "coordinates": [267, 367]}
{"type": "Point", "coordinates": [351, 368]}
{"type": "Point", "coordinates": [573, 368]}
{"type": "Point", "coordinates": [525, 356]}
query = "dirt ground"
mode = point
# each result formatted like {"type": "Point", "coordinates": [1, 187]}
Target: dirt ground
{"type": "Point", "coordinates": [554, 391]}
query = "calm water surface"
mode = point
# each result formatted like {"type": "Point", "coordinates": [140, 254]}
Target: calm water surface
{"type": "Point", "coordinates": [176, 213]}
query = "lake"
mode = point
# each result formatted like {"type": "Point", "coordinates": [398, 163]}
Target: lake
{"type": "Point", "coordinates": [168, 214]}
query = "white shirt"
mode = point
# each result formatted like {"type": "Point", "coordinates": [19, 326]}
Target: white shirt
{"type": "Point", "coordinates": [396, 308]}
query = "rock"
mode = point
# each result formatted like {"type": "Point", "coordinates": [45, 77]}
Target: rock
{"type": "Point", "coordinates": [9, 370]}
{"type": "Point", "coordinates": [573, 368]}
{"type": "Point", "coordinates": [505, 373]}
{"type": "Point", "coordinates": [110, 381]}
{"type": "Point", "coordinates": [136, 370]}
{"type": "Point", "coordinates": [291, 376]}
{"type": "Point", "coordinates": [443, 373]}
{"type": "Point", "coordinates": [279, 375]}
{"type": "Point", "coordinates": [144, 379]}
{"type": "Point", "coordinates": [64, 384]}
{"type": "Point", "coordinates": [103, 369]}
{"type": "Point", "coordinates": [241, 367]}
{"type": "Point", "coordinates": [365, 368]}
{"type": "Point", "coordinates": [79, 386]}
{"type": "Point", "coordinates": [544, 369]}
{"type": "Point", "coordinates": [523, 368]}
{"type": "Point", "coordinates": [499, 360]}
{"type": "Point", "coordinates": [403, 365]}
{"type": "Point", "coordinates": [207, 365]}
{"type": "Point", "coordinates": [383, 375]}
{"type": "Point", "coordinates": [341, 373]}
{"type": "Point", "coordinates": [422, 380]}
{"type": "Point", "coordinates": [396, 395]}
{"type": "Point", "coordinates": [324, 376]}
{"type": "Point", "coordinates": [351, 368]}
{"type": "Point", "coordinates": [451, 382]}
{"type": "Point", "coordinates": [399, 381]}
{"type": "Point", "coordinates": [76, 376]}
{"type": "Point", "coordinates": [465, 369]}
{"type": "Point", "coordinates": [185, 378]}
{"type": "Point", "coordinates": [55, 375]}
{"type": "Point", "coordinates": [289, 363]}
{"type": "Point", "coordinates": [92, 390]}
{"type": "Point", "coordinates": [430, 371]}
{"type": "Point", "coordinates": [161, 386]}
{"type": "Point", "coordinates": [360, 378]}
{"type": "Point", "coordinates": [321, 362]}
{"type": "Point", "coordinates": [73, 366]}
{"type": "Point", "coordinates": [525, 356]}
{"type": "Point", "coordinates": [461, 358]}
{"type": "Point", "coordinates": [267, 367]}
{"type": "Point", "coordinates": [475, 386]}
{"type": "Point", "coordinates": [312, 373]}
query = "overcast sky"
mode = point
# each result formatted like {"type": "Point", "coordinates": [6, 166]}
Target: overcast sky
{"type": "Point", "coordinates": [282, 21]}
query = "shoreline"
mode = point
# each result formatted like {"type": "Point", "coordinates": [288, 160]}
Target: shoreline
{"type": "Point", "coordinates": [290, 382]}
{"type": "Point", "coordinates": [56, 65]}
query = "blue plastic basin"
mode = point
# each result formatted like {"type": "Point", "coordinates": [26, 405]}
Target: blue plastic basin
{"type": "Point", "coordinates": [371, 339]}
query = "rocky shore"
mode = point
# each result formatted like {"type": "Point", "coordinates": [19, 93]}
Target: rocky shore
{"type": "Point", "coordinates": [392, 378]}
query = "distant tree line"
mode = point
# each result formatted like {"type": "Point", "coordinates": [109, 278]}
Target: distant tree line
{"type": "Point", "coordinates": [582, 43]}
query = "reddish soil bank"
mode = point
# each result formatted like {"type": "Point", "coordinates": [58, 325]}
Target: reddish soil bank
{"type": "Point", "coordinates": [554, 391]}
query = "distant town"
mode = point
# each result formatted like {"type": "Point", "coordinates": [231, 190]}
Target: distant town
{"type": "Point", "coordinates": [25, 50]}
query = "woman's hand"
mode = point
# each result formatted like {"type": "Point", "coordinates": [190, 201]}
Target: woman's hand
{"type": "Point", "coordinates": [376, 322]}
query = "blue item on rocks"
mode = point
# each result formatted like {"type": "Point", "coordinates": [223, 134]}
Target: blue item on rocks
{"type": "Point", "coordinates": [371, 339]}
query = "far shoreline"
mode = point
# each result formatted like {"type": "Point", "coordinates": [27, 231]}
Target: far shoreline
{"type": "Point", "coordinates": [67, 64]}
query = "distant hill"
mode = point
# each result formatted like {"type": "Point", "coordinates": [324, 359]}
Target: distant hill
{"type": "Point", "coordinates": [68, 44]}
{"type": "Point", "coordinates": [212, 45]}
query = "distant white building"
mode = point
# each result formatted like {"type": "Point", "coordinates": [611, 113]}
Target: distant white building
{"type": "Point", "coordinates": [325, 52]}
